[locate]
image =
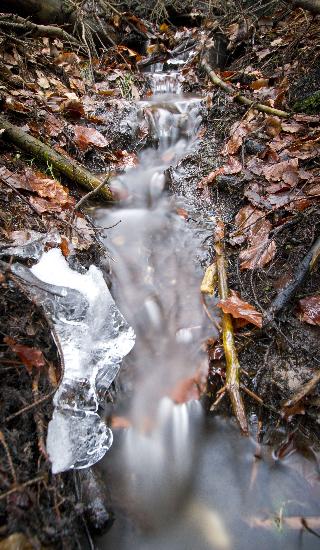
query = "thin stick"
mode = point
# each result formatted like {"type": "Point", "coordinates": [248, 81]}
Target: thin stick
{"type": "Point", "coordinates": [285, 294]}
{"type": "Point", "coordinates": [240, 98]}
{"type": "Point", "coordinates": [303, 390]}
{"type": "Point", "coordinates": [9, 458]}
{"type": "Point", "coordinates": [232, 362]}
{"type": "Point", "coordinates": [22, 486]}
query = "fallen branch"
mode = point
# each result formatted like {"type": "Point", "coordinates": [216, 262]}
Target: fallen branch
{"type": "Point", "coordinates": [50, 31]}
{"type": "Point", "coordinates": [232, 362]}
{"type": "Point", "coordinates": [69, 167]}
{"type": "Point", "coordinates": [240, 98]}
{"type": "Point", "coordinates": [285, 294]}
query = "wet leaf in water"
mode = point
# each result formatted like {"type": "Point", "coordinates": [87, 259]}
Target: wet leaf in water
{"type": "Point", "coordinates": [30, 357]}
{"type": "Point", "coordinates": [238, 308]}
{"type": "Point", "coordinates": [309, 310]}
{"type": "Point", "coordinates": [86, 138]}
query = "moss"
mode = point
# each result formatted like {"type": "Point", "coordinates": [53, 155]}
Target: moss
{"type": "Point", "coordinates": [310, 104]}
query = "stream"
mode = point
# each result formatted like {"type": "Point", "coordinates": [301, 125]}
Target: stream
{"type": "Point", "coordinates": [178, 480]}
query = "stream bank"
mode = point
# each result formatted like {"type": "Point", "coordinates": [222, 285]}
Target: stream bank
{"type": "Point", "coordinates": [275, 368]}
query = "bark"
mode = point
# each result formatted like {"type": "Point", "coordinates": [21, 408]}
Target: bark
{"type": "Point", "coordinates": [70, 168]}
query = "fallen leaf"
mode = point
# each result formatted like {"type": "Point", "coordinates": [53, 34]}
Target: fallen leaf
{"type": "Point", "coordinates": [273, 126]}
{"type": "Point", "coordinates": [42, 205]}
{"type": "Point", "coordinates": [238, 308]}
{"type": "Point", "coordinates": [260, 83]}
{"type": "Point", "coordinates": [309, 310]}
{"type": "Point", "coordinates": [305, 149]}
{"type": "Point", "coordinates": [287, 170]}
{"type": "Point", "coordinates": [30, 357]}
{"type": "Point", "coordinates": [238, 131]}
{"type": "Point", "coordinates": [86, 138]}
{"type": "Point", "coordinates": [13, 105]}
{"type": "Point", "coordinates": [258, 255]}
{"type": "Point", "coordinates": [52, 125]}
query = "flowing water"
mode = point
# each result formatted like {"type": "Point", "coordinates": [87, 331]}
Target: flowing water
{"type": "Point", "coordinates": [178, 481]}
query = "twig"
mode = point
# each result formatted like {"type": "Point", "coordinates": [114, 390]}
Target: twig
{"type": "Point", "coordinates": [22, 486]}
{"type": "Point", "coordinates": [232, 362]}
{"type": "Point", "coordinates": [303, 391]}
{"type": "Point", "coordinates": [240, 98]}
{"type": "Point", "coordinates": [9, 458]}
{"type": "Point", "coordinates": [28, 408]}
{"type": "Point", "coordinates": [285, 294]}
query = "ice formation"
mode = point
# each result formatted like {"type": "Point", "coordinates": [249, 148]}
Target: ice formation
{"type": "Point", "coordinates": [93, 338]}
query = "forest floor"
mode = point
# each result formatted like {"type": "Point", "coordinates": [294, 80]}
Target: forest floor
{"type": "Point", "coordinates": [259, 172]}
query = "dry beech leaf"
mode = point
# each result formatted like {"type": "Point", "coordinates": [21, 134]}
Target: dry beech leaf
{"type": "Point", "coordinates": [287, 170]}
{"type": "Point", "coordinates": [86, 138]}
{"type": "Point", "coordinates": [233, 166]}
{"type": "Point", "coordinates": [309, 310]}
{"type": "Point", "coordinates": [257, 255]}
{"type": "Point", "coordinates": [30, 357]}
{"type": "Point", "coordinates": [43, 205]}
{"type": "Point", "coordinates": [260, 83]}
{"type": "Point", "coordinates": [305, 149]}
{"type": "Point", "coordinates": [273, 126]}
{"type": "Point", "coordinates": [239, 309]}
{"type": "Point", "coordinates": [238, 132]}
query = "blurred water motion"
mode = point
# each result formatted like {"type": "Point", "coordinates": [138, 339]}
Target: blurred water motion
{"type": "Point", "coordinates": [233, 500]}
{"type": "Point", "coordinates": [173, 484]}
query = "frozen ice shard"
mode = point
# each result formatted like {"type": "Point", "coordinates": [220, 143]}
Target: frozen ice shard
{"type": "Point", "coordinates": [93, 338]}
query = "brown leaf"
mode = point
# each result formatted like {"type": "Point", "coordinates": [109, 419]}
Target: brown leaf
{"type": "Point", "coordinates": [273, 126]}
{"type": "Point", "coordinates": [260, 83]}
{"type": "Point", "coordinates": [240, 309]}
{"type": "Point", "coordinates": [238, 131]}
{"type": "Point", "coordinates": [251, 224]}
{"type": "Point", "coordinates": [13, 105]}
{"type": "Point", "coordinates": [30, 357]}
{"type": "Point", "coordinates": [292, 127]}
{"type": "Point", "coordinates": [257, 255]}
{"type": "Point", "coordinates": [48, 188]}
{"type": "Point", "coordinates": [233, 166]}
{"type": "Point", "coordinates": [52, 125]}
{"type": "Point", "coordinates": [287, 170]}
{"type": "Point", "coordinates": [310, 310]}
{"type": "Point", "coordinates": [210, 178]}
{"type": "Point", "coordinates": [42, 205]}
{"type": "Point", "coordinates": [86, 138]}
{"type": "Point", "coordinates": [305, 149]}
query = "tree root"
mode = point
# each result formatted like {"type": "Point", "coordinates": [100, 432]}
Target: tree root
{"type": "Point", "coordinates": [240, 98]}
{"type": "Point", "coordinates": [70, 168]}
